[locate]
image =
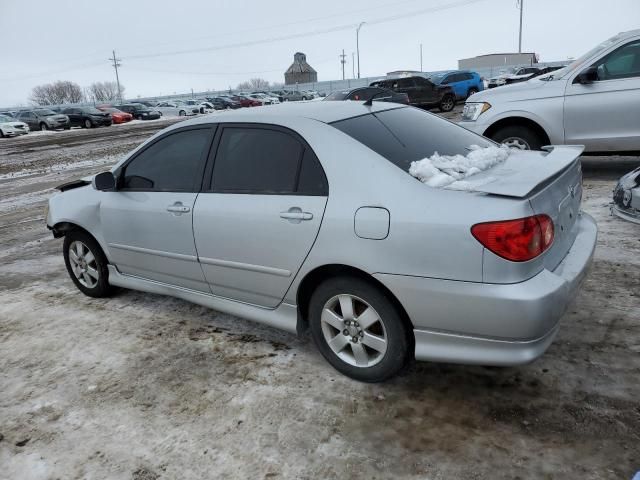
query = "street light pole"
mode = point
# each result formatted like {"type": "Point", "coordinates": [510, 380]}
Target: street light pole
{"type": "Point", "coordinates": [358, 45]}
{"type": "Point", "coordinates": [521, 4]}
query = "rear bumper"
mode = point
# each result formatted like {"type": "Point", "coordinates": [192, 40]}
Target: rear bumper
{"type": "Point", "coordinates": [493, 324]}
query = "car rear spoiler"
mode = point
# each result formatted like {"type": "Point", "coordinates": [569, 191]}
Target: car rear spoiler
{"type": "Point", "coordinates": [523, 171]}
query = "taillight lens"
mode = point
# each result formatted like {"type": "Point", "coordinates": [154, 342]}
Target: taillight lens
{"type": "Point", "coordinates": [516, 240]}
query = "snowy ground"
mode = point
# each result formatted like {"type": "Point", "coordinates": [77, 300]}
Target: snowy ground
{"type": "Point", "coordinates": [143, 386]}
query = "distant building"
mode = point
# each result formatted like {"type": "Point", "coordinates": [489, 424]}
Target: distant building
{"type": "Point", "coordinates": [300, 71]}
{"type": "Point", "coordinates": [497, 60]}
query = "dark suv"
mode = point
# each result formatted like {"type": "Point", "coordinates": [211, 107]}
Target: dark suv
{"type": "Point", "coordinates": [421, 92]}
{"type": "Point", "coordinates": [139, 111]}
{"type": "Point", "coordinates": [43, 119]}
{"type": "Point", "coordinates": [87, 117]}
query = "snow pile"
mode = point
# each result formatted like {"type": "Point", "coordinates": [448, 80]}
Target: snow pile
{"type": "Point", "coordinates": [448, 170]}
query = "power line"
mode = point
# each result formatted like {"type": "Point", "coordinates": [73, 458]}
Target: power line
{"type": "Point", "coordinates": [304, 34]}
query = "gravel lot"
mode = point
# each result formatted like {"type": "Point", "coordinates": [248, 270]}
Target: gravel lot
{"type": "Point", "coordinates": [143, 387]}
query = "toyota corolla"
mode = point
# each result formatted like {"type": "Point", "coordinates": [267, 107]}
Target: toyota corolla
{"type": "Point", "coordinates": [383, 230]}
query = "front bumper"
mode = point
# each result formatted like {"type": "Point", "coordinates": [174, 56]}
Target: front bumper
{"type": "Point", "coordinates": [11, 131]}
{"type": "Point", "coordinates": [493, 324]}
{"type": "Point", "coordinates": [478, 126]}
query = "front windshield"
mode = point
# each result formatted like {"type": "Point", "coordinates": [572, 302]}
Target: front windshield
{"type": "Point", "coordinates": [4, 118]}
{"type": "Point", "coordinates": [92, 110]}
{"type": "Point", "coordinates": [436, 78]}
{"type": "Point", "coordinates": [580, 60]}
{"type": "Point", "coordinates": [45, 112]}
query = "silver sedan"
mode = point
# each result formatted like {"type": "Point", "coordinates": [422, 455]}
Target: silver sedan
{"type": "Point", "coordinates": [304, 217]}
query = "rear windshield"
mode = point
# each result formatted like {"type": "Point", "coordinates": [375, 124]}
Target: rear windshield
{"type": "Point", "coordinates": [337, 96]}
{"type": "Point", "coordinates": [404, 135]}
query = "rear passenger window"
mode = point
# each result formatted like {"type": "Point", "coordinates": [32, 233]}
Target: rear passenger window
{"type": "Point", "coordinates": [265, 161]}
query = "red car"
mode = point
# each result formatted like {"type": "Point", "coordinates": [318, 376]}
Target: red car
{"type": "Point", "coordinates": [118, 116]}
{"type": "Point", "coordinates": [246, 101]}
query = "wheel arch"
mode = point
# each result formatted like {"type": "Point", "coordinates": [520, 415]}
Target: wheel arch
{"type": "Point", "coordinates": [319, 274]}
{"type": "Point", "coordinates": [518, 121]}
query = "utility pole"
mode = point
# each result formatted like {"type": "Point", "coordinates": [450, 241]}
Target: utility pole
{"type": "Point", "coordinates": [116, 63]}
{"type": "Point", "coordinates": [520, 4]}
{"type": "Point", "coordinates": [421, 57]}
{"type": "Point", "coordinates": [353, 64]}
{"type": "Point", "coordinates": [343, 61]}
{"type": "Point", "coordinates": [358, 45]}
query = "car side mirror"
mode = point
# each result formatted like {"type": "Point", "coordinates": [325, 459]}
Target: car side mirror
{"type": "Point", "coordinates": [588, 75]}
{"type": "Point", "coordinates": [105, 182]}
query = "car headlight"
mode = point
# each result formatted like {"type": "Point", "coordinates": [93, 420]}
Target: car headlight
{"type": "Point", "coordinates": [501, 81]}
{"type": "Point", "coordinates": [472, 111]}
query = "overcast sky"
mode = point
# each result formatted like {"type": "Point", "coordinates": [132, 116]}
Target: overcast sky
{"type": "Point", "coordinates": [46, 40]}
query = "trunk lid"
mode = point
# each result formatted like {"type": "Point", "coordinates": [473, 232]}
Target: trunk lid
{"type": "Point", "coordinates": [524, 171]}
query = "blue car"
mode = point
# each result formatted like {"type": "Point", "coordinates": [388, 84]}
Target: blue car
{"type": "Point", "coordinates": [463, 82]}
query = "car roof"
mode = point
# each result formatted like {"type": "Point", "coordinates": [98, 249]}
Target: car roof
{"type": "Point", "coordinates": [325, 112]}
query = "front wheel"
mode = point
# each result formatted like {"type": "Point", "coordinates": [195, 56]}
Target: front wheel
{"type": "Point", "coordinates": [447, 103]}
{"type": "Point", "coordinates": [182, 113]}
{"type": "Point", "coordinates": [517, 136]}
{"type": "Point", "coordinates": [358, 330]}
{"type": "Point", "coordinates": [86, 264]}
{"type": "Point", "coordinates": [44, 127]}
{"type": "Point", "coordinates": [87, 123]}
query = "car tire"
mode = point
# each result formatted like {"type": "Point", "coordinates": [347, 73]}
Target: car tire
{"type": "Point", "coordinates": [518, 136]}
{"type": "Point", "coordinates": [370, 342]}
{"type": "Point", "coordinates": [87, 123]}
{"type": "Point", "coordinates": [43, 127]}
{"type": "Point", "coordinates": [182, 113]}
{"type": "Point", "coordinates": [472, 91]}
{"type": "Point", "coordinates": [1, 133]}
{"type": "Point", "coordinates": [67, 128]}
{"type": "Point", "coordinates": [86, 264]}
{"type": "Point", "coordinates": [447, 103]}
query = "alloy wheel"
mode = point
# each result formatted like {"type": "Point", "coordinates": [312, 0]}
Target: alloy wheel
{"type": "Point", "coordinates": [354, 330]}
{"type": "Point", "coordinates": [83, 264]}
{"type": "Point", "coordinates": [516, 142]}
{"type": "Point", "coordinates": [447, 104]}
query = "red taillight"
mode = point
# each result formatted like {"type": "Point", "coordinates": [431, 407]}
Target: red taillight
{"type": "Point", "coordinates": [516, 240]}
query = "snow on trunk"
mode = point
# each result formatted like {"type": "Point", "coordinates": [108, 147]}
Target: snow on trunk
{"type": "Point", "coordinates": [449, 171]}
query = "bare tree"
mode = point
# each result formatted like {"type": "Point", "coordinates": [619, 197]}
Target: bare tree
{"type": "Point", "coordinates": [57, 93]}
{"type": "Point", "coordinates": [254, 84]}
{"type": "Point", "coordinates": [104, 91]}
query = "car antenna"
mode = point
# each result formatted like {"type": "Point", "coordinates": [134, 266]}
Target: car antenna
{"type": "Point", "coordinates": [369, 102]}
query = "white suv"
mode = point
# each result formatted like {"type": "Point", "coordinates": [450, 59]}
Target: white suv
{"type": "Point", "coordinates": [594, 102]}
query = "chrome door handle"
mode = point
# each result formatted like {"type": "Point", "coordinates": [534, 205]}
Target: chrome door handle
{"type": "Point", "coordinates": [178, 208]}
{"type": "Point", "coordinates": [296, 215]}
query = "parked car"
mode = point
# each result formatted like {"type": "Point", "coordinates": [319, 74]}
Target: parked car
{"type": "Point", "coordinates": [513, 74]}
{"type": "Point", "coordinates": [626, 197]}
{"type": "Point", "coordinates": [87, 117]}
{"type": "Point", "coordinates": [292, 96]}
{"type": "Point", "coordinates": [202, 108]}
{"type": "Point", "coordinates": [43, 119]}
{"type": "Point", "coordinates": [147, 103]}
{"type": "Point", "coordinates": [139, 111]}
{"type": "Point", "coordinates": [541, 71]}
{"type": "Point", "coordinates": [594, 102]}
{"type": "Point", "coordinates": [177, 108]}
{"type": "Point", "coordinates": [275, 98]}
{"type": "Point", "coordinates": [224, 103]}
{"type": "Point", "coordinates": [264, 99]}
{"type": "Point", "coordinates": [366, 93]}
{"type": "Point", "coordinates": [379, 270]}
{"type": "Point", "coordinates": [10, 127]}
{"type": "Point", "coordinates": [464, 83]}
{"type": "Point", "coordinates": [118, 116]}
{"type": "Point", "coordinates": [421, 92]}
{"type": "Point", "coordinates": [245, 101]}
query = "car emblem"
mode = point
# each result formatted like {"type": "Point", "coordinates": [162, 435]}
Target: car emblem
{"type": "Point", "coordinates": [572, 191]}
